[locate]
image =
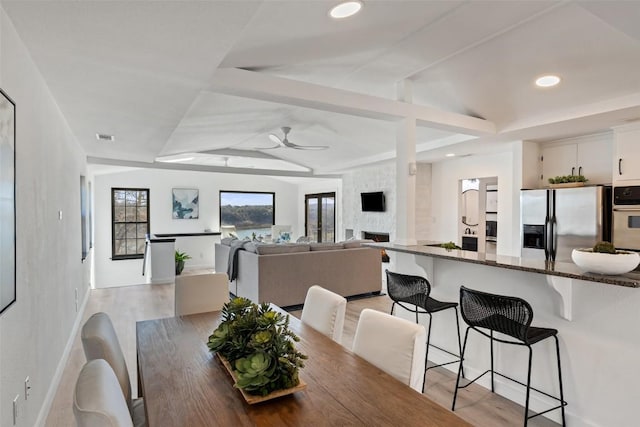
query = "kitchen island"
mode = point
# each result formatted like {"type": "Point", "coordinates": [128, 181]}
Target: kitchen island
{"type": "Point", "coordinates": [597, 318]}
{"type": "Point", "coordinates": [559, 269]}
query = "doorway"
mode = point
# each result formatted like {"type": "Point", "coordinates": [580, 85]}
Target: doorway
{"type": "Point", "coordinates": [320, 217]}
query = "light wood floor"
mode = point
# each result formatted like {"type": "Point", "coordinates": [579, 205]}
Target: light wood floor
{"type": "Point", "coordinates": [126, 305]}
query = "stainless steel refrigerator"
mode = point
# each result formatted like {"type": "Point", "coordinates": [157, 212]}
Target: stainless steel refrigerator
{"type": "Point", "coordinates": [555, 221]}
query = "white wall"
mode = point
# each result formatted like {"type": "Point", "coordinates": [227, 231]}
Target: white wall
{"type": "Point", "coordinates": [383, 178]}
{"type": "Point", "coordinates": [35, 331]}
{"type": "Point", "coordinates": [374, 178]}
{"type": "Point", "coordinates": [445, 178]}
{"type": "Point", "coordinates": [424, 218]}
{"type": "Point", "coordinates": [160, 183]}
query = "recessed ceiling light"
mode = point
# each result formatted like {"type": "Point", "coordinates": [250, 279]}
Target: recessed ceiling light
{"type": "Point", "coordinates": [345, 9]}
{"type": "Point", "coordinates": [450, 155]}
{"type": "Point", "coordinates": [547, 81]}
{"type": "Point", "coordinates": [105, 137]}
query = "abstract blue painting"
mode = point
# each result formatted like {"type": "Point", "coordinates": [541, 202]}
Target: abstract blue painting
{"type": "Point", "coordinates": [185, 203]}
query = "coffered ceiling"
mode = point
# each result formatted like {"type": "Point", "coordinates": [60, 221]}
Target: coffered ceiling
{"type": "Point", "coordinates": [207, 82]}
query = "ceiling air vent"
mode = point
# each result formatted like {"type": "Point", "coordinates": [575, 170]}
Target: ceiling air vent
{"type": "Point", "coordinates": [104, 137]}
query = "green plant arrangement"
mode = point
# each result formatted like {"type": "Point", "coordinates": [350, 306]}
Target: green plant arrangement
{"type": "Point", "coordinates": [567, 178]}
{"type": "Point", "coordinates": [258, 345]}
{"type": "Point", "coordinates": [604, 258]}
{"type": "Point", "coordinates": [181, 257]}
{"type": "Point", "coordinates": [604, 248]}
{"type": "Point", "coordinates": [449, 246]}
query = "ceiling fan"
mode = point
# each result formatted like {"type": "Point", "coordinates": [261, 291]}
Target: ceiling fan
{"type": "Point", "coordinates": [284, 142]}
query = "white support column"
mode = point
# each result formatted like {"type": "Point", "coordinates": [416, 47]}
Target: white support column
{"type": "Point", "coordinates": [405, 172]}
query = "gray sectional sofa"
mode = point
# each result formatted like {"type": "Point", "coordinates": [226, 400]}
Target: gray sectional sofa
{"type": "Point", "coordinates": [282, 273]}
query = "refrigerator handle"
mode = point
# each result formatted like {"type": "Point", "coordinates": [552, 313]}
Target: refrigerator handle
{"type": "Point", "coordinates": [553, 238]}
{"type": "Point", "coordinates": [547, 225]}
{"type": "Point", "coordinates": [547, 228]}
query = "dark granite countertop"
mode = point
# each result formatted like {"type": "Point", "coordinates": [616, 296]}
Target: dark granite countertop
{"type": "Point", "coordinates": [562, 269]}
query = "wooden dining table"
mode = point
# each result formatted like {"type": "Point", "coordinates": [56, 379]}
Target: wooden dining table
{"type": "Point", "coordinates": [185, 385]}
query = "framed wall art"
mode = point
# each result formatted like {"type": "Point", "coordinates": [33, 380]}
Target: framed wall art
{"type": "Point", "coordinates": [185, 203]}
{"type": "Point", "coordinates": [7, 201]}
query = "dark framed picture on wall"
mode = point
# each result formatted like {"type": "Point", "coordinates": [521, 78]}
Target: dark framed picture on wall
{"type": "Point", "coordinates": [185, 203]}
{"type": "Point", "coordinates": [7, 201]}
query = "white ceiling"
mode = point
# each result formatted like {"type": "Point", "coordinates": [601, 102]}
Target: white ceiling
{"type": "Point", "coordinates": [162, 78]}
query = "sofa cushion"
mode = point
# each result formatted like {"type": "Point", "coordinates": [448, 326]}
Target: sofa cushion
{"type": "Point", "coordinates": [227, 241]}
{"type": "Point", "coordinates": [281, 248]}
{"type": "Point", "coordinates": [328, 246]}
{"type": "Point", "coordinates": [251, 246]}
{"type": "Point", "coordinates": [350, 244]}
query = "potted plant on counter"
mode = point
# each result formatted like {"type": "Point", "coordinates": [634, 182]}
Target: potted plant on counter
{"type": "Point", "coordinates": [567, 181]}
{"type": "Point", "coordinates": [604, 258]}
{"type": "Point", "coordinates": [181, 257]}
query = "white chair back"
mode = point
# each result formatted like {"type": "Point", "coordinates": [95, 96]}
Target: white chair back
{"type": "Point", "coordinates": [394, 345]}
{"type": "Point", "coordinates": [100, 341]}
{"type": "Point", "coordinates": [200, 293]}
{"type": "Point", "coordinates": [324, 311]}
{"type": "Point", "coordinates": [98, 399]}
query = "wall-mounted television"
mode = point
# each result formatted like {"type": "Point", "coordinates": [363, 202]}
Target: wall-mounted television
{"type": "Point", "coordinates": [372, 202]}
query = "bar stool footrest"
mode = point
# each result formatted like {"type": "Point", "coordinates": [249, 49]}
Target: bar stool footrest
{"type": "Point", "coordinates": [562, 402]}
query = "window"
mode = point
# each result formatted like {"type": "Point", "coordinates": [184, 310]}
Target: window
{"type": "Point", "coordinates": [249, 212]}
{"type": "Point", "coordinates": [130, 222]}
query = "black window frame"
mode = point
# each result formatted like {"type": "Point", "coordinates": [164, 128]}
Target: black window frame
{"type": "Point", "coordinates": [113, 223]}
{"type": "Point", "coordinates": [319, 197]}
{"type": "Point", "coordinates": [273, 195]}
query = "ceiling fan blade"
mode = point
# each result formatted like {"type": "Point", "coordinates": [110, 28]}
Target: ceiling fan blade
{"type": "Point", "coordinates": [275, 138]}
{"type": "Point", "coordinates": [267, 148]}
{"type": "Point", "coordinates": [309, 147]}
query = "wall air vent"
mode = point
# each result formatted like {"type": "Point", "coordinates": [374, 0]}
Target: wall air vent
{"type": "Point", "coordinates": [105, 137]}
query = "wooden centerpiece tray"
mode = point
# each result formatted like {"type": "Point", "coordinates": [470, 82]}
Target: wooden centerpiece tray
{"type": "Point", "coordinates": [252, 399]}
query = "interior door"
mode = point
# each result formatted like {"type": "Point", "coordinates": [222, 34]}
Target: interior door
{"type": "Point", "coordinates": [320, 217]}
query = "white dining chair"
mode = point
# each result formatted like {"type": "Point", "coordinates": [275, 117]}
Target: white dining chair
{"type": "Point", "coordinates": [200, 293]}
{"type": "Point", "coordinates": [99, 341]}
{"type": "Point", "coordinates": [97, 399]}
{"type": "Point", "coordinates": [395, 345]}
{"type": "Point", "coordinates": [324, 311]}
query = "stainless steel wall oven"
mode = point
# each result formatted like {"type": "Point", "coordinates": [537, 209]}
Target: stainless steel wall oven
{"type": "Point", "coordinates": [626, 217]}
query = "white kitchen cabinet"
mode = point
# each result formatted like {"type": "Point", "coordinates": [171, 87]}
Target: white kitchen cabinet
{"type": "Point", "coordinates": [626, 162]}
{"type": "Point", "coordinates": [589, 156]}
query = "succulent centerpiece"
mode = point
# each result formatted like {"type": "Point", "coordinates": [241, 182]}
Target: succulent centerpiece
{"type": "Point", "coordinates": [604, 258]}
{"type": "Point", "coordinates": [258, 346]}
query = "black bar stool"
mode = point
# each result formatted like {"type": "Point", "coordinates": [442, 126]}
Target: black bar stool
{"type": "Point", "coordinates": [511, 316]}
{"type": "Point", "coordinates": [404, 289]}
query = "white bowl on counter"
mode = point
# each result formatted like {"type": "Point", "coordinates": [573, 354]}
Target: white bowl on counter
{"type": "Point", "coordinates": [602, 263]}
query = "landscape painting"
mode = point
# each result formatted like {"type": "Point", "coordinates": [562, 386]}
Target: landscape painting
{"type": "Point", "coordinates": [185, 203]}
{"type": "Point", "coordinates": [7, 202]}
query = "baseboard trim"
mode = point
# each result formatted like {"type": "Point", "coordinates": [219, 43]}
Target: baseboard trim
{"type": "Point", "coordinates": [55, 382]}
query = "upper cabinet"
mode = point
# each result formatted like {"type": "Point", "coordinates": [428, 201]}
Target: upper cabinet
{"type": "Point", "coordinates": [588, 155]}
{"type": "Point", "coordinates": [626, 162]}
